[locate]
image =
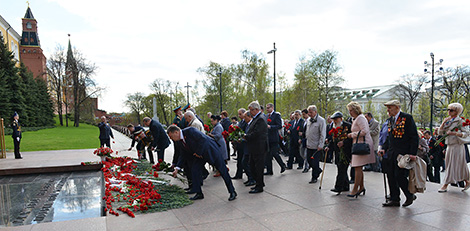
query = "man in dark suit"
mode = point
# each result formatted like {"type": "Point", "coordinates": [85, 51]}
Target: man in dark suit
{"type": "Point", "coordinates": [274, 124]}
{"type": "Point", "coordinates": [435, 154]}
{"type": "Point", "coordinates": [105, 133]}
{"type": "Point", "coordinates": [16, 135]}
{"type": "Point", "coordinates": [257, 145]}
{"type": "Point", "coordinates": [203, 149]}
{"type": "Point", "coordinates": [160, 139]}
{"type": "Point", "coordinates": [294, 151]}
{"type": "Point", "coordinates": [341, 145]}
{"type": "Point", "coordinates": [240, 145]}
{"type": "Point", "coordinates": [402, 139]}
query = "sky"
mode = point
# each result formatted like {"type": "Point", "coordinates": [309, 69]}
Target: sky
{"type": "Point", "coordinates": [135, 42]}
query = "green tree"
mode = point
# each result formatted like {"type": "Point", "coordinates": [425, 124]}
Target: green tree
{"type": "Point", "coordinates": [12, 99]}
{"type": "Point", "coordinates": [136, 103]}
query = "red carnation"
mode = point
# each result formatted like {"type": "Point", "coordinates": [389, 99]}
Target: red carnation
{"type": "Point", "coordinates": [441, 144]}
{"type": "Point", "coordinates": [269, 120]}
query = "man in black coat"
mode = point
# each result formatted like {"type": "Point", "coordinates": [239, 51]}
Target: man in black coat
{"type": "Point", "coordinates": [257, 145]}
{"type": "Point", "coordinates": [160, 139]}
{"type": "Point", "coordinates": [435, 154]}
{"type": "Point", "coordinates": [16, 135]}
{"type": "Point", "coordinates": [202, 149]}
{"type": "Point", "coordinates": [294, 146]}
{"type": "Point", "coordinates": [105, 133]}
{"type": "Point", "coordinates": [402, 139]}
{"type": "Point", "coordinates": [340, 144]}
{"type": "Point", "coordinates": [274, 124]}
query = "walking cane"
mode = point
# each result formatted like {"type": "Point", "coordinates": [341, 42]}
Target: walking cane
{"type": "Point", "coordinates": [385, 186]}
{"type": "Point", "coordinates": [323, 171]}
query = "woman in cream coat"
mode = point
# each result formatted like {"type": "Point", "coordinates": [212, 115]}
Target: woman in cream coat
{"type": "Point", "coordinates": [456, 164]}
{"type": "Point", "coordinates": [357, 161]}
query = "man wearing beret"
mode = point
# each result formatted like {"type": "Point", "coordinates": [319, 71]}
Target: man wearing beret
{"type": "Point", "coordinates": [16, 135]}
{"type": "Point", "coordinates": [402, 139]}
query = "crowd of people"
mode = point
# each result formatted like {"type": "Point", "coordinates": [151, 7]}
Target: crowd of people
{"type": "Point", "coordinates": [407, 156]}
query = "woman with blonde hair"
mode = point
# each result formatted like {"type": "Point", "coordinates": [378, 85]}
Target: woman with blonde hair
{"type": "Point", "coordinates": [457, 137]}
{"type": "Point", "coordinates": [360, 133]}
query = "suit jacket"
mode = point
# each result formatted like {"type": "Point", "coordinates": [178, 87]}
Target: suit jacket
{"type": "Point", "coordinates": [198, 145]}
{"type": "Point", "coordinates": [294, 132]}
{"type": "Point", "coordinates": [315, 132]}
{"type": "Point", "coordinates": [374, 130]}
{"type": "Point", "coordinates": [257, 136]}
{"type": "Point", "coordinates": [274, 120]}
{"type": "Point", "coordinates": [219, 138]}
{"type": "Point", "coordinates": [105, 131]}
{"type": "Point", "coordinates": [225, 122]}
{"type": "Point", "coordinates": [15, 126]}
{"type": "Point", "coordinates": [160, 138]}
{"type": "Point", "coordinates": [435, 152]}
{"type": "Point", "coordinates": [402, 136]}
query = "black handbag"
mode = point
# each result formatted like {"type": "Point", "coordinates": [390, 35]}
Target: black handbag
{"type": "Point", "coordinates": [360, 148]}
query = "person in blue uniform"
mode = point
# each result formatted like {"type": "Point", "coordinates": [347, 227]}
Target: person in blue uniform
{"type": "Point", "coordinates": [105, 133]}
{"type": "Point", "coordinates": [203, 149]}
{"type": "Point", "coordinates": [16, 135]}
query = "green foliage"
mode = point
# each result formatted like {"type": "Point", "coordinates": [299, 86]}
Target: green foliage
{"type": "Point", "coordinates": [20, 92]}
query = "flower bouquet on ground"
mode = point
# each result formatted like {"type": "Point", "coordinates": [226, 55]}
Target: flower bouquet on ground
{"type": "Point", "coordinates": [103, 152]}
{"type": "Point", "coordinates": [168, 169]}
{"type": "Point", "coordinates": [235, 133]}
{"type": "Point", "coordinates": [440, 141]}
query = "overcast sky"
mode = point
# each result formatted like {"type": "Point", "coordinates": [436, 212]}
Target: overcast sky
{"type": "Point", "coordinates": [135, 42]}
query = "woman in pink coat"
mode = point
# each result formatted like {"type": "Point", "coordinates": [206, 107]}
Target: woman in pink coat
{"type": "Point", "coordinates": [359, 124]}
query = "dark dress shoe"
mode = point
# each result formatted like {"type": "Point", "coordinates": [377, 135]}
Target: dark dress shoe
{"type": "Point", "coordinates": [268, 173]}
{"type": "Point", "coordinates": [288, 168]}
{"type": "Point", "coordinates": [233, 196]}
{"type": "Point", "coordinates": [313, 181]}
{"type": "Point", "coordinates": [409, 201]}
{"type": "Point", "coordinates": [198, 196]}
{"type": "Point", "coordinates": [300, 167]}
{"type": "Point", "coordinates": [246, 182]}
{"type": "Point", "coordinates": [251, 183]}
{"type": "Point", "coordinates": [19, 157]}
{"type": "Point", "coordinates": [236, 178]}
{"type": "Point", "coordinates": [256, 191]}
{"type": "Point", "coordinates": [283, 169]}
{"type": "Point", "coordinates": [305, 170]}
{"type": "Point", "coordinates": [391, 204]}
{"type": "Point", "coordinates": [336, 190]}
{"type": "Point", "coordinates": [190, 192]}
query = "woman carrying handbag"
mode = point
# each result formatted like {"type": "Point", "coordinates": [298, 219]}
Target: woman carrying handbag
{"type": "Point", "coordinates": [361, 134]}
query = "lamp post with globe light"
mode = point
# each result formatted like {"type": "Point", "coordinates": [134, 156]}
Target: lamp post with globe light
{"type": "Point", "coordinates": [432, 65]}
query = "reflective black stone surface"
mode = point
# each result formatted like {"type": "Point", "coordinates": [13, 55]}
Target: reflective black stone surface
{"type": "Point", "coordinates": [32, 199]}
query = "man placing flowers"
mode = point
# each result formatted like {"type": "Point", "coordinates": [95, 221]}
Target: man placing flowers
{"type": "Point", "coordinates": [204, 149]}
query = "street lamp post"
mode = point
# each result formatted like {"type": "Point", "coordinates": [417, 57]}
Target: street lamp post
{"type": "Point", "coordinates": [274, 52]}
{"type": "Point", "coordinates": [219, 73]}
{"type": "Point", "coordinates": [432, 64]}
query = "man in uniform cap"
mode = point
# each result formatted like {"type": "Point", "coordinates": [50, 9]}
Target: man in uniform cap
{"type": "Point", "coordinates": [186, 107]}
{"type": "Point", "coordinates": [402, 139]}
{"type": "Point", "coordinates": [16, 135]}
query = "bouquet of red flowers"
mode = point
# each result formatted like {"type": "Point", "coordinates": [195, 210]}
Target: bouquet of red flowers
{"type": "Point", "coordinates": [207, 128]}
{"type": "Point", "coordinates": [466, 122]}
{"type": "Point", "coordinates": [339, 134]}
{"type": "Point", "coordinates": [103, 152]}
{"type": "Point", "coordinates": [235, 133]}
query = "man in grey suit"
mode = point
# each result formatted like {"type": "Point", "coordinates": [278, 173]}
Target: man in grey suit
{"type": "Point", "coordinates": [315, 133]}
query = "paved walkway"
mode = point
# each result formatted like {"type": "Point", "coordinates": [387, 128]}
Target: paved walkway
{"type": "Point", "coordinates": [288, 203]}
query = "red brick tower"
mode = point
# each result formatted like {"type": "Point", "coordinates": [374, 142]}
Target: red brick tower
{"type": "Point", "coordinates": [30, 48]}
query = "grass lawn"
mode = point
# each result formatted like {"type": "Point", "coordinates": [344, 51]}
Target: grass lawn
{"type": "Point", "coordinates": [58, 138]}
